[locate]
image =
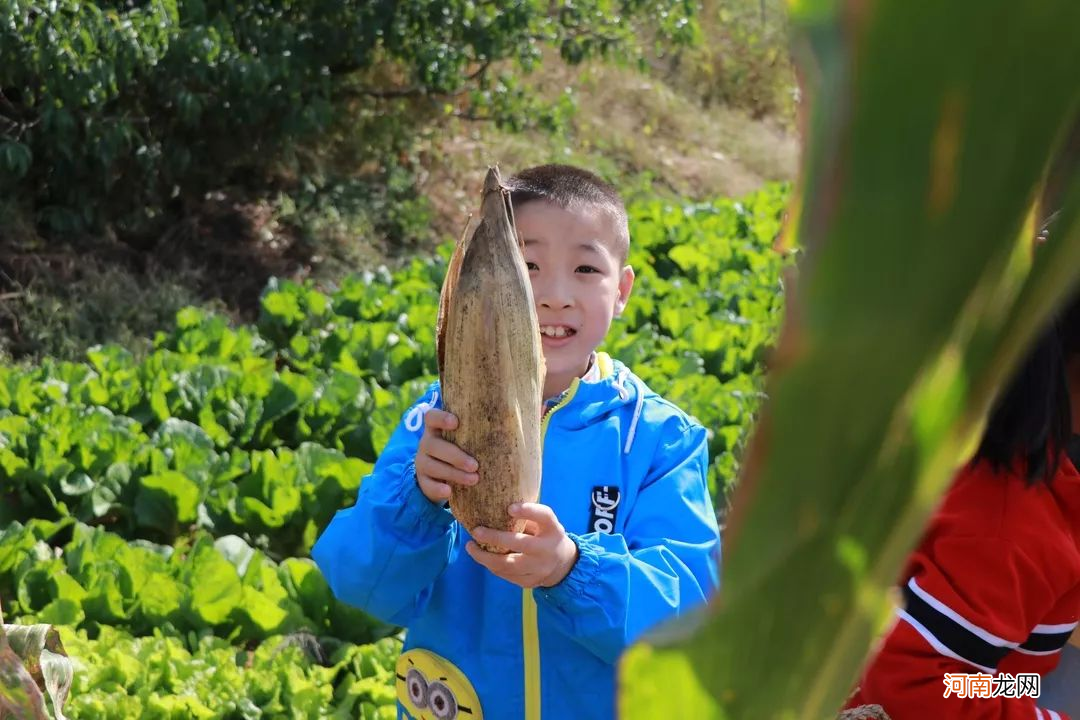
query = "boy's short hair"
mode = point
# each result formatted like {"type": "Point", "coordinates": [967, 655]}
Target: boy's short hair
{"type": "Point", "coordinates": [566, 185]}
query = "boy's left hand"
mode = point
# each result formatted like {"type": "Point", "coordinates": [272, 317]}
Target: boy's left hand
{"type": "Point", "coordinates": [539, 557]}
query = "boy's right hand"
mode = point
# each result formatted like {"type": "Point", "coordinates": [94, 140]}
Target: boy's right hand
{"type": "Point", "coordinates": [440, 462]}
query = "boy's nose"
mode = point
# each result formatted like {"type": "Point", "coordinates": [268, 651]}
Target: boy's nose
{"type": "Point", "coordinates": [555, 300]}
{"type": "Point", "coordinates": [553, 295]}
{"type": "Point", "coordinates": [554, 303]}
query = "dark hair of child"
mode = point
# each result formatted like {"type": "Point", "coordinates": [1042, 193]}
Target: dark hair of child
{"type": "Point", "coordinates": [1032, 417]}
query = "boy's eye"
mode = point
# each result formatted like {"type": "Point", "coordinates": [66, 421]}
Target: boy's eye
{"type": "Point", "coordinates": [587, 269]}
{"type": "Point", "coordinates": [531, 265]}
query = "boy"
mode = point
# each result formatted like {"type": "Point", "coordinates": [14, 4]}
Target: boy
{"type": "Point", "coordinates": [623, 537]}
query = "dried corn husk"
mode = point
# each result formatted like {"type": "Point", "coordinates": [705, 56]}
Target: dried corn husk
{"type": "Point", "coordinates": [491, 366]}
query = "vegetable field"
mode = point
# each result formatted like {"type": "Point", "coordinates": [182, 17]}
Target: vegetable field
{"type": "Point", "coordinates": [160, 510]}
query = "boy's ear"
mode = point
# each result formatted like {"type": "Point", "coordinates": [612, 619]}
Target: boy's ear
{"type": "Point", "coordinates": [626, 284]}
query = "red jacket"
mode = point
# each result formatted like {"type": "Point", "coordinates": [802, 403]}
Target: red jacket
{"type": "Point", "coordinates": [993, 588]}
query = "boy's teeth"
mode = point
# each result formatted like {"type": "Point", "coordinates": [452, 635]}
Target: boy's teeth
{"type": "Point", "coordinates": [552, 331]}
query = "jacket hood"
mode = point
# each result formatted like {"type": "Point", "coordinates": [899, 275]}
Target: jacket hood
{"type": "Point", "coordinates": [589, 402]}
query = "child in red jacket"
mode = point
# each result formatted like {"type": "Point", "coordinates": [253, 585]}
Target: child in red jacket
{"type": "Point", "coordinates": [992, 593]}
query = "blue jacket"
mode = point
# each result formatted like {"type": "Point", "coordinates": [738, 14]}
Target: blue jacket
{"type": "Point", "coordinates": [624, 471]}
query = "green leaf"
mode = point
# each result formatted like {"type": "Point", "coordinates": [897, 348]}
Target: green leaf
{"type": "Point", "coordinates": [216, 591]}
{"type": "Point", "coordinates": [306, 585]}
{"type": "Point", "coordinates": [330, 478]}
{"type": "Point", "coordinates": [106, 493]}
{"type": "Point", "coordinates": [283, 308]}
{"type": "Point", "coordinates": [186, 435]}
{"type": "Point", "coordinates": [15, 158]}
{"type": "Point", "coordinates": [664, 682]}
{"type": "Point", "coordinates": [165, 500]}
{"type": "Point", "coordinates": [44, 584]}
{"type": "Point", "coordinates": [62, 611]}
{"type": "Point", "coordinates": [236, 551]}
{"type": "Point", "coordinates": [77, 484]}
{"type": "Point", "coordinates": [262, 613]}
{"type": "Point", "coordinates": [105, 601]}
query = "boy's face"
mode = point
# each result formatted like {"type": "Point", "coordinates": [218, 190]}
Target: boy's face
{"type": "Point", "coordinates": [579, 282]}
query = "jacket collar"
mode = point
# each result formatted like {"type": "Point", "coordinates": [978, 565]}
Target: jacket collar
{"type": "Point", "coordinates": [592, 400]}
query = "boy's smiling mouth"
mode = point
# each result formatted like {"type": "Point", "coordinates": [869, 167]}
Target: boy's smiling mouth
{"type": "Point", "coordinates": [557, 331]}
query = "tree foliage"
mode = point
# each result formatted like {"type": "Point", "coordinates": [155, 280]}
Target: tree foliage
{"type": "Point", "coordinates": [110, 110]}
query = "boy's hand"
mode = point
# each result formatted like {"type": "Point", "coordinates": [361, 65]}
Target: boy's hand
{"type": "Point", "coordinates": [439, 461]}
{"type": "Point", "coordinates": [539, 557]}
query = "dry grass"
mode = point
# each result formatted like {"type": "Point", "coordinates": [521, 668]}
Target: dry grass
{"type": "Point", "coordinates": [632, 129]}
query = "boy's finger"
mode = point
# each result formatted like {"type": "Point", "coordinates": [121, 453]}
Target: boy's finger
{"type": "Point", "coordinates": [435, 469]}
{"type": "Point", "coordinates": [542, 515]}
{"type": "Point", "coordinates": [512, 541]}
{"type": "Point", "coordinates": [433, 489]}
{"type": "Point", "coordinates": [508, 567]}
{"type": "Point", "coordinates": [439, 420]}
{"type": "Point", "coordinates": [531, 528]}
{"type": "Point", "coordinates": [489, 560]}
{"type": "Point", "coordinates": [450, 453]}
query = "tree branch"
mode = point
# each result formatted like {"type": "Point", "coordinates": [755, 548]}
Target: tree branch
{"type": "Point", "coordinates": [414, 90]}
{"type": "Point", "coordinates": [10, 108]}
{"type": "Point", "coordinates": [471, 117]}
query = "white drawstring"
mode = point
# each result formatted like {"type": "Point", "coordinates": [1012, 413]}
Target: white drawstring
{"type": "Point", "coordinates": [620, 383]}
{"type": "Point", "coordinates": [414, 419]}
{"type": "Point", "coordinates": [624, 394]}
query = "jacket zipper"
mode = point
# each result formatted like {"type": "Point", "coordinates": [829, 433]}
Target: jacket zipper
{"type": "Point", "coordinates": [530, 629]}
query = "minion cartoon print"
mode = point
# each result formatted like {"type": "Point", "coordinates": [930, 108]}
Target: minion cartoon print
{"type": "Point", "coordinates": [429, 687]}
